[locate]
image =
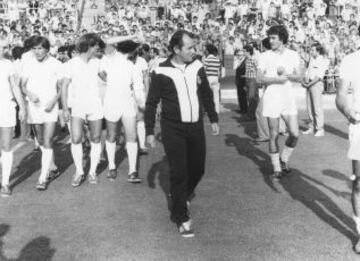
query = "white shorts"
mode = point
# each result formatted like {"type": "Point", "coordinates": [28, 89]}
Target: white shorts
{"type": "Point", "coordinates": [7, 115]}
{"type": "Point", "coordinates": [276, 104]}
{"type": "Point", "coordinates": [354, 142]}
{"type": "Point", "coordinates": [94, 114]}
{"type": "Point", "coordinates": [36, 114]}
{"type": "Point", "coordinates": [123, 108]}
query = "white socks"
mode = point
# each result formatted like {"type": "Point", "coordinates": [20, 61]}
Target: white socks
{"type": "Point", "coordinates": [140, 125]}
{"type": "Point", "coordinates": [52, 163]}
{"type": "Point", "coordinates": [286, 153]}
{"type": "Point", "coordinates": [94, 156]}
{"type": "Point", "coordinates": [110, 150]}
{"type": "Point", "coordinates": [132, 151]}
{"type": "Point", "coordinates": [357, 223]}
{"type": "Point", "coordinates": [77, 154]}
{"type": "Point", "coordinates": [46, 158]}
{"type": "Point", "coordinates": [275, 160]}
{"type": "Point", "coordinates": [6, 160]}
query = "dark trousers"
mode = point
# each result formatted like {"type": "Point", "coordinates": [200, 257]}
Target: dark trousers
{"type": "Point", "coordinates": [252, 96]}
{"type": "Point", "coordinates": [241, 93]}
{"type": "Point", "coordinates": [184, 145]}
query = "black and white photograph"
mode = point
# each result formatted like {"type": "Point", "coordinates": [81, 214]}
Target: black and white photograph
{"type": "Point", "coordinates": [179, 130]}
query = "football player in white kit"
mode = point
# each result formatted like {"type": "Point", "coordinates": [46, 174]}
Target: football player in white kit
{"type": "Point", "coordinates": [124, 92]}
{"type": "Point", "coordinates": [8, 89]}
{"type": "Point", "coordinates": [40, 82]}
{"type": "Point", "coordinates": [349, 105]}
{"type": "Point", "coordinates": [278, 68]}
{"type": "Point", "coordinates": [82, 72]}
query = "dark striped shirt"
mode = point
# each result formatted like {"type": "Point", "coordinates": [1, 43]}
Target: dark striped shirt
{"type": "Point", "coordinates": [212, 65]}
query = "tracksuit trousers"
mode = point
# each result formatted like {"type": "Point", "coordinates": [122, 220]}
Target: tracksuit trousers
{"type": "Point", "coordinates": [184, 145]}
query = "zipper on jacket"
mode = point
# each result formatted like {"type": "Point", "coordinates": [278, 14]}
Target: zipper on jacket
{"type": "Point", "coordinates": [187, 91]}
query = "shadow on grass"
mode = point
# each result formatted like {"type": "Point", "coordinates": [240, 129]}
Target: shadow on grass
{"type": "Point", "coordinates": [339, 176]}
{"type": "Point", "coordinates": [161, 170]}
{"type": "Point", "coordinates": [120, 155]}
{"type": "Point", "coordinates": [330, 129]}
{"type": "Point", "coordinates": [300, 187]}
{"type": "Point", "coordinates": [38, 249]}
{"type": "Point", "coordinates": [303, 189]}
{"type": "Point", "coordinates": [31, 163]}
{"type": "Point", "coordinates": [245, 147]}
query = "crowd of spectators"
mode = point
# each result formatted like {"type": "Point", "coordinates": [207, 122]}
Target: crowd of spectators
{"type": "Point", "coordinates": [229, 25]}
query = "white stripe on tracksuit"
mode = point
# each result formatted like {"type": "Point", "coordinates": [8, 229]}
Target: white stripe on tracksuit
{"type": "Point", "coordinates": [186, 84]}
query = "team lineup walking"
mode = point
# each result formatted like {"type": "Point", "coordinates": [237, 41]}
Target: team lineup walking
{"type": "Point", "coordinates": [106, 88]}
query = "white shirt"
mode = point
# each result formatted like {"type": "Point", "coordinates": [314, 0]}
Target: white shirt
{"type": "Point", "coordinates": [349, 71]}
{"type": "Point", "coordinates": [270, 61]}
{"type": "Point", "coordinates": [84, 79]}
{"type": "Point", "coordinates": [42, 78]}
{"type": "Point", "coordinates": [6, 71]}
{"type": "Point", "coordinates": [122, 78]}
{"type": "Point", "coordinates": [317, 67]}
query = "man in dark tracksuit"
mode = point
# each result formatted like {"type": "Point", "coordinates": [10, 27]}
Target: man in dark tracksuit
{"type": "Point", "coordinates": [180, 83]}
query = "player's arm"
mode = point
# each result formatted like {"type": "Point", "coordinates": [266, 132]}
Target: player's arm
{"type": "Point", "coordinates": [265, 80]}
{"type": "Point", "coordinates": [138, 87]}
{"type": "Point", "coordinates": [342, 103]}
{"type": "Point", "coordinates": [31, 96]}
{"type": "Point", "coordinates": [50, 105]}
{"type": "Point", "coordinates": [64, 96]}
{"type": "Point", "coordinates": [146, 77]}
{"type": "Point", "coordinates": [18, 97]}
{"type": "Point", "coordinates": [298, 73]}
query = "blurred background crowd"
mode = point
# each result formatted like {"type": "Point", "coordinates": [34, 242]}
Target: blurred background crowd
{"type": "Point", "coordinates": [229, 25]}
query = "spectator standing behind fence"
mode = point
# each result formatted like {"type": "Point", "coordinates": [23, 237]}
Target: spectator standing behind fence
{"type": "Point", "coordinates": [313, 82]}
{"type": "Point", "coordinates": [240, 81]}
{"type": "Point", "coordinates": [250, 81]}
{"type": "Point", "coordinates": [212, 68]}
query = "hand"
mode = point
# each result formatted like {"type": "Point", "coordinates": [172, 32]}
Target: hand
{"type": "Point", "coordinates": [280, 70]}
{"type": "Point", "coordinates": [304, 84]}
{"type": "Point", "coordinates": [50, 106]}
{"type": "Point", "coordinates": [33, 97]}
{"type": "Point", "coordinates": [282, 79]}
{"type": "Point", "coordinates": [66, 113]}
{"type": "Point", "coordinates": [215, 129]}
{"type": "Point", "coordinates": [103, 75]}
{"type": "Point", "coordinates": [150, 139]}
{"type": "Point", "coordinates": [354, 117]}
{"type": "Point", "coordinates": [22, 114]}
